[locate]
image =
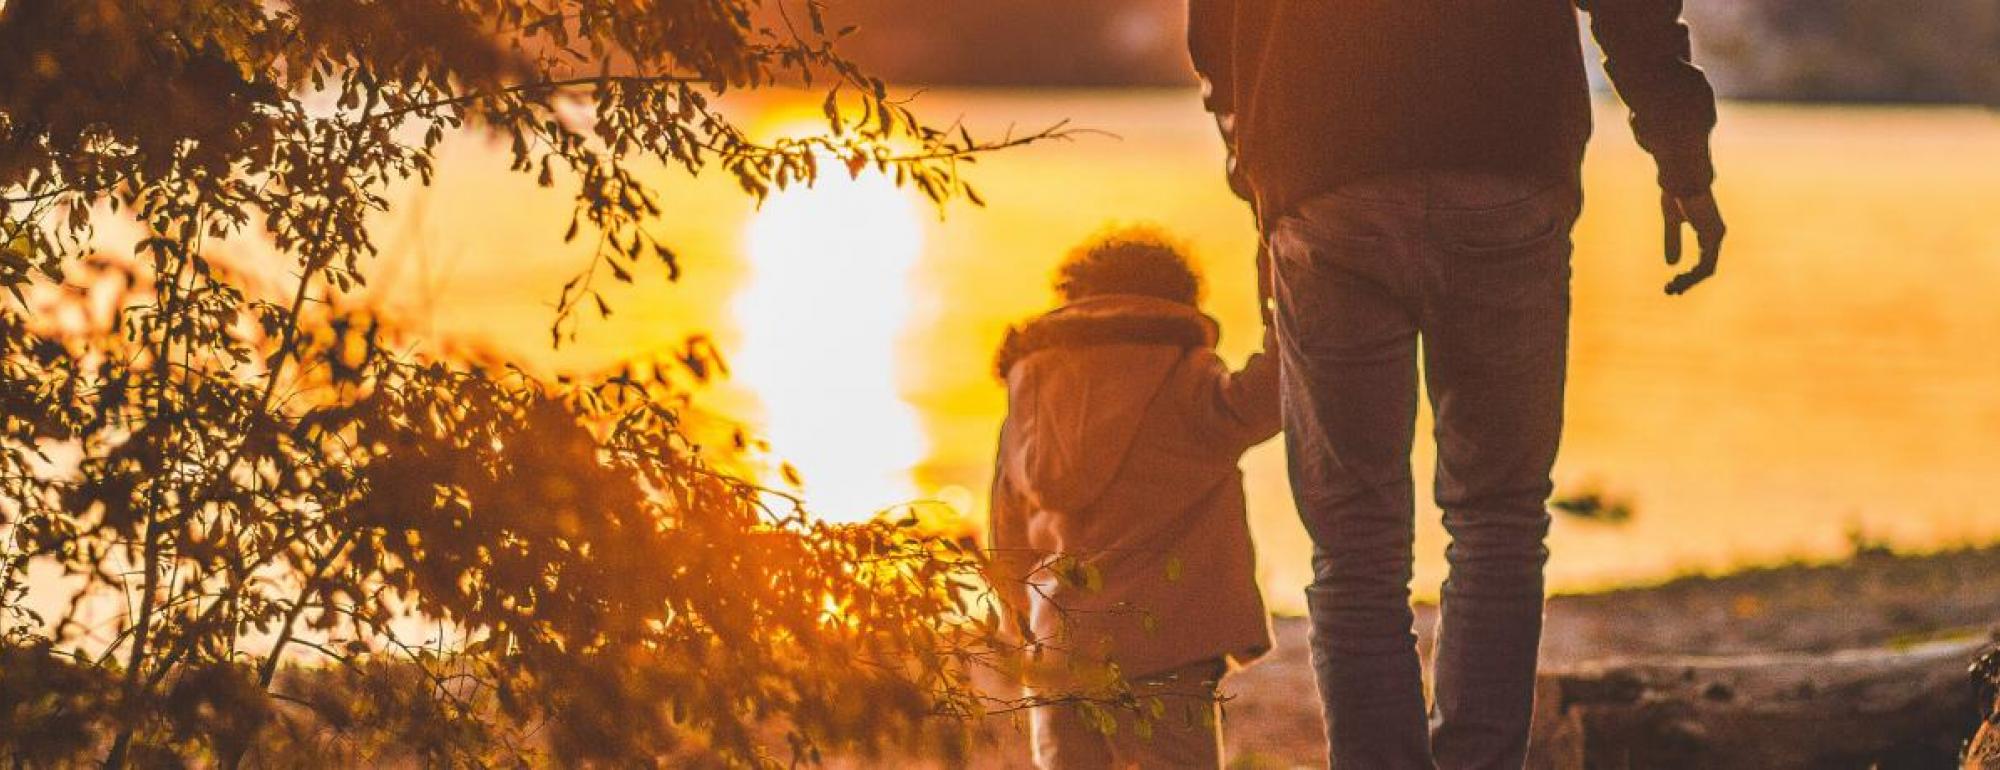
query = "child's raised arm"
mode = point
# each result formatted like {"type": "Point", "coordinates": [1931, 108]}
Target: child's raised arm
{"type": "Point", "coordinates": [1239, 409]}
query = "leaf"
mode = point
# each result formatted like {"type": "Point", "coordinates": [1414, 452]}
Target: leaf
{"type": "Point", "coordinates": [831, 109]}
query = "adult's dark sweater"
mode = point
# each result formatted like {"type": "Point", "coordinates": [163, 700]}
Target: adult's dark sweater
{"type": "Point", "coordinates": [1316, 93]}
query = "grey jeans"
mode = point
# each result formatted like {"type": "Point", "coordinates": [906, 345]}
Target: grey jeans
{"type": "Point", "coordinates": [1476, 267]}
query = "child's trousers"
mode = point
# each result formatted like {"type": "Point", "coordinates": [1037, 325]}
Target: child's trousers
{"type": "Point", "coordinates": [1188, 735]}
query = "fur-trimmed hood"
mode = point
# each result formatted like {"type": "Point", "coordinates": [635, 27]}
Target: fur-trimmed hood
{"type": "Point", "coordinates": [1116, 319]}
{"type": "Point", "coordinates": [1079, 382]}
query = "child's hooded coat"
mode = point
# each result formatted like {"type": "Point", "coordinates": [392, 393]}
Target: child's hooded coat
{"type": "Point", "coordinates": [1120, 449]}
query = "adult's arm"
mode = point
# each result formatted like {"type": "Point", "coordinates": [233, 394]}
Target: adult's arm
{"type": "Point", "coordinates": [1650, 61]}
{"type": "Point", "coordinates": [1649, 58]}
{"type": "Point", "coordinates": [1211, 45]}
{"type": "Point", "coordinates": [1212, 38]}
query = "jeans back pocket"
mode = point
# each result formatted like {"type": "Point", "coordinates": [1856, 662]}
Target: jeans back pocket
{"type": "Point", "coordinates": [1509, 256]}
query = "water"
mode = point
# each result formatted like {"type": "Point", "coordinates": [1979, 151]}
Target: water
{"type": "Point", "coordinates": [1841, 375]}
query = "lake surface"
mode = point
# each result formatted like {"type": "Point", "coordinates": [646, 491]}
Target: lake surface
{"type": "Point", "coordinates": [1841, 375]}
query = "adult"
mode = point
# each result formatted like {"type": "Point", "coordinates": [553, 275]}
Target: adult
{"type": "Point", "coordinates": [1415, 165]}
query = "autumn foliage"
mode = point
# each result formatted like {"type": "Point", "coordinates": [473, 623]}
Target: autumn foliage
{"type": "Point", "coordinates": [245, 525]}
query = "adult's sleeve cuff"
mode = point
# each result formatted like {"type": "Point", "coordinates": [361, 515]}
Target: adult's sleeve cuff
{"type": "Point", "coordinates": [1685, 168]}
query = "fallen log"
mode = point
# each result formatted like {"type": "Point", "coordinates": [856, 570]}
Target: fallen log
{"type": "Point", "coordinates": [1983, 753]}
{"type": "Point", "coordinates": [1908, 707]}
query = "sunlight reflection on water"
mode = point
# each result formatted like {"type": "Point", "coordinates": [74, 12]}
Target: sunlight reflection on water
{"type": "Point", "coordinates": [828, 301]}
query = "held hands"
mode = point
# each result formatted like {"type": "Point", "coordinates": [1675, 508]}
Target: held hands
{"type": "Point", "coordinates": [1700, 212]}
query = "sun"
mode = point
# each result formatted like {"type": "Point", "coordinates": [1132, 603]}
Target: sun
{"type": "Point", "coordinates": [828, 300]}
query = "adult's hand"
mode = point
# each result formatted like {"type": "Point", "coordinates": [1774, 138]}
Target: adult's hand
{"type": "Point", "coordinates": [1701, 213]}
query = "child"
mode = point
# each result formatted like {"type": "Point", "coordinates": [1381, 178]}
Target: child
{"type": "Point", "coordinates": [1118, 467]}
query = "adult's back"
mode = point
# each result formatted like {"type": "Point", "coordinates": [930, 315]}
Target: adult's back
{"type": "Point", "coordinates": [1324, 92]}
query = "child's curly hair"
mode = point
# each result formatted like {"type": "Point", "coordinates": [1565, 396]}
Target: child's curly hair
{"type": "Point", "coordinates": [1142, 260]}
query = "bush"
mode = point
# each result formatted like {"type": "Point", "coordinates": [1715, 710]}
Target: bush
{"type": "Point", "coordinates": [468, 564]}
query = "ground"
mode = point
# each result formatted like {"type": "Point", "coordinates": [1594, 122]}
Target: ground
{"type": "Point", "coordinates": [1873, 599]}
